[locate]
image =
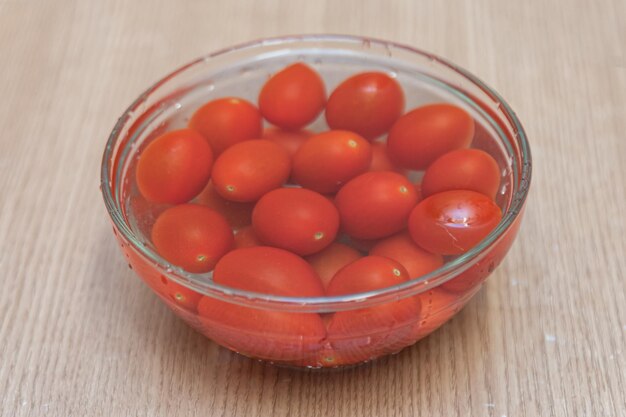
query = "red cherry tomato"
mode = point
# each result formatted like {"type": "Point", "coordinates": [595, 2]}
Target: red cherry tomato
{"type": "Point", "coordinates": [330, 260]}
{"type": "Point", "coordinates": [268, 270]}
{"type": "Point", "coordinates": [366, 333]}
{"type": "Point", "coordinates": [180, 295]}
{"type": "Point", "coordinates": [238, 215]}
{"type": "Point", "coordinates": [375, 204]}
{"type": "Point", "coordinates": [227, 121]}
{"type": "Point", "coordinates": [247, 170]}
{"type": "Point", "coordinates": [367, 103]}
{"type": "Point", "coordinates": [192, 236]}
{"type": "Point", "coordinates": [381, 160]}
{"type": "Point", "coordinates": [463, 169]}
{"type": "Point", "coordinates": [425, 133]}
{"type": "Point", "coordinates": [293, 97]}
{"type": "Point", "coordinates": [174, 167]}
{"type": "Point", "coordinates": [327, 160]}
{"type": "Point", "coordinates": [452, 222]}
{"type": "Point", "coordinates": [246, 238]}
{"type": "Point", "coordinates": [261, 333]}
{"type": "Point", "coordinates": [403, 250]}
{"type": "Point", "coordinates": [288, 139]}
{"type": "Point", "coordinates": [296, 219]}
{"type": "Point", "coordinates": [438, 307]}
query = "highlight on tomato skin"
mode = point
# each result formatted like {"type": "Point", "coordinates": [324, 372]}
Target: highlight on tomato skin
{"type": "Point", "coordinates": [453, 222]}
{"type": "Point", "coordinates": [293, 97]}
{"type": "Point", "coordinates": [174, 167]}
{"type": "Point", "coordinates": [426, 133]}
{"type": "Point", "coordinates": [192, 237]}
{"type": "Point", "coordinates": [227, 121]}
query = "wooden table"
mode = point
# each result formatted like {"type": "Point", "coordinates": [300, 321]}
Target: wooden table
{"type": "Point", "coordinates": [81, 336]}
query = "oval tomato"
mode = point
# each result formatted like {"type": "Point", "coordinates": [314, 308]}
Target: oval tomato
{"type": "Point", "coordinates": [296, 219]}
{"type": "Point", "coordinates": [381, 160]}
{"type": "Point", "coordinates": [331, 259]}
{"type": "Point", "coordinates": [289, 139]}
{"type": "Point", "coordinates": [293, 97]}
{"type": "Point", "coordinates": [192, 237]}
{"type": "Point", "coordinates": [175, 167]}
{"type": "Point", "coordinates": [425, 133]}
{"type": "Point", "coordinates": [452, 222]}
{"type": "Point", "coordinates": [227, 121]}
{"type": "Point", "coordinates": [327, 160]}
{"type": "Point", "coordinates": [238, 215]}
{"type": "Point", "coordinates": [260, 333]}
{"type": "Point", "coordinates": [402, 249]}
{"type": "Point", "coordinates": [463, 169]}
{"type": "Point", "coordinates": [375, 204]}
{"type": "Point", "coordinates": [367, 103]}
{"type": "Point", "coordinates": [248, 170]}
{"type": "Point", "coordinates": [246, 238]}
{"type": "Point", "coordinates": [180, 295]}
{"type": "Point", "coordinates": [366, 333]}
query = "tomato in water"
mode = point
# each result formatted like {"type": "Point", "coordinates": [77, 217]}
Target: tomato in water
{"type": "Point", "coordinates": [260, 333]}
{"type": "Point", "coordinates": [402, 249]}
{"type": "Point", "coordinates": [248, 170]}
{"type": "Point", "coordinates": [291, 140]}
{"type": "Point", "coordinates": [227, 121]}
{"type": "Point", "coordinates": [238, 215]}
{"type": "Point", "coordinates": [367, 103]}
{"type": "Point", "coordinates": [191, 236]}
{"type": "Point", "coordinates": [293, 97]}
{"type": "Point", "coordinates": [381, 160]}
{"type": "Point", "coordinates": [426, 133]}
{"type": "Point", "coordinates": [463, 169]}
{"type": "Point", "coordinates": [299, 220]}
{"type": "Point", "coordinates": [330, 260]}
{"type": "Point", "coordinates": [452, 222]}
{"type": "Point", "coordinates": [375, 204]}
{"type": "Point", "coordinates": [366, 333]}
{"type": "Point", "coordinates": [181, 295]}
{"type": "Point", "coordinates": [328, 160]}
{"type": "Point", "coordinates": [246, 238]}
{"type": "Point", "coordinates": [437, 307]}
{"type": "Point", "coordinates": [175, 167]}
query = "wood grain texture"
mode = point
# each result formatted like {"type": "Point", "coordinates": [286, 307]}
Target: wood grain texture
{"type": "Point", "coordinates": [81, 336]}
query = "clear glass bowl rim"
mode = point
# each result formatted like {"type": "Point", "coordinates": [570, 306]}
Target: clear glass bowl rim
{"type": "Point", "coordinates": [320, 304]}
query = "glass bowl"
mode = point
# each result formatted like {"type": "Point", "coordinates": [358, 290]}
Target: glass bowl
{"type": "Point", "coordinates": [278, 329]}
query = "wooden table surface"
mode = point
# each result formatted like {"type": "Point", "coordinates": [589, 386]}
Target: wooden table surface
{"type": "Point", "coordinates": [81, 336]}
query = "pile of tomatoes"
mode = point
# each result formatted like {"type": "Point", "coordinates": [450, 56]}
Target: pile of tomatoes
{"type": "Point", "coordinates": [290, 212]}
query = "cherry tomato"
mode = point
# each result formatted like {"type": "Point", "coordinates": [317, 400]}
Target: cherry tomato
{"type": "Point", "coordinates": [375, 204]}
{"type": "Point", "coordinates": [296, 219]}
{"type": "Point", "coordinates": [362, 334]}
{"type": "Point", "coordinates": [381, 160]}
{"type": "Point", "coordinates": [246, 238]}
{"type": "Point", "coordinates": [227, 121]}
{"type": "Point", "coordinates": [288, 139]}
{"type": "Point", "coordinates": [261, 333]}
{"type": "Point", "coordinates": [452, 222]}
{"type": "Point", "coordinates": [247, 170]}
{"type": "Point", "coordinates": [327, 160]}
{"type": "Point", "coordinates": [192, 236]}
{"type": "Point", "coordinates": [174, 167]}
{"type": "Point", "coordinates": [367, 103]}
{"type": "Point", "coordinates": [463, 169]}
{"type": "Point", "coordinates": [238, 215]}
{"type": "Point", "coordinates": [268, 270]}
{"type": "Point", "coordinates": [180, 295]}
{"type": "Point", "coordinates": [438, 307]}
{"type": "Point", "coordinates": [330, 260]}
{"type": "Point", "coordinates": [293, 97]}
{"type": "Point", "coordinates": [403, 250]}
{"type": "Point", "coordinates": [426, 133]}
